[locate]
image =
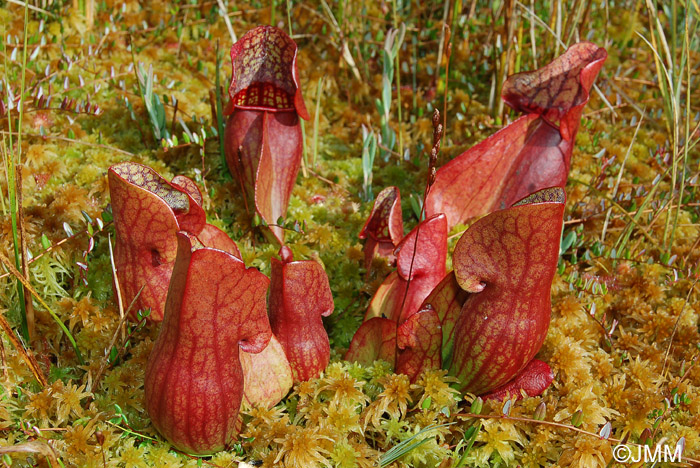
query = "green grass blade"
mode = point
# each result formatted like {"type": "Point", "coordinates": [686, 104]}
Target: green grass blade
{"type": "Point", "coordinates": [220, 127]}
{"type": "Point", "coordinates": [408, 445]}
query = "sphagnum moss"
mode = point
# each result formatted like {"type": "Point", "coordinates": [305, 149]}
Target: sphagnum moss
{"type": "Point", "coordinates": [354, 414]}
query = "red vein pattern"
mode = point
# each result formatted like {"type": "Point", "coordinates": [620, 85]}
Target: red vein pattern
{"type": "Point", "coordinates": [559, 90]}
{"type": "Point", "coordinates": [507, 260]}
{"type": "Point", "coordinates": [426, 270]}
{"type": "Point", "coordinates": [532, 153]}
{"type": "Point", "coordinates": [447, 300]}
{"type": "Point", "coordinates": [264, 72]}
{"type": "Point", "coordinates": [375, 339]}
{"type": "Point", "coordinates": [384, 226]}
{"type": "Point", "coordinates": [148, 212]}
{"type": "Point", "coordinates": [299, 296]}
{"type": "Point", "coordinates": [267, 375]}
{"type": "Point", "coordinates": [263, 140]}
{"type": "Point", "coordinates": [419, 340]}
{"type": "Point", "coordinates": [194, 379]}
{"type": "Point", "coordinates": [533, 380]}
{"type": "Point", "coordinates": [189, 186]}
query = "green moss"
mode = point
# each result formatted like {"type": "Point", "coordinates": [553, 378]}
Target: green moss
{"type": "Point", "coordinates": [625, 382]}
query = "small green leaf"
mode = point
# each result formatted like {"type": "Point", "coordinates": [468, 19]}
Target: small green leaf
{"type": "Point", "coordinates": [67, 229]}
{"type": "Point", "coordinates": [113, 355]}
{"type": "Point", "coordinates": [540, 412]}
{"type": "Point", "coordinates": [477, 406]}
{"type": "Point", "coordinates": [577, 418]}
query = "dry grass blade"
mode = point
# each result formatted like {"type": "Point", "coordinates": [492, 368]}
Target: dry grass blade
{"type": "Point", "coordinates": [345, 50]}
{"type": "Point", "coordinates": [28, 306]}
{"type": "Point", "coordinates": [35, 446]}
{"type": "Point", "coordinates": [26, 354]}
{"type": "Point", "coordinates": [123, 315]}
{"type": "Point", "coordinates": [619, 177]}
{"type": "Point", "coordinates": [224, 13]}
{"type": "Point", "coordinates": [120, 326]}
{"type": "Point", "coordinates": [33, 8]}
{"type": "Point", "coordinates": [120, 302]}
{"type": "Point", "coordinates": [678, 320]}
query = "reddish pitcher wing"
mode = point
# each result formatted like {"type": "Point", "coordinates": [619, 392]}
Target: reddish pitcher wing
{"type": "Point", "coordinates": [427, 271]}
{"type": "Point", "coordinates": [243, 141]}
{"type": "Point", "coordinates": [212, 236]}
{"type": "Point", "coordinates": [532, 153]}
{"type": "Point", "coordinates": [267, 376]}
{"type": "Point", "coordinates": [375, 339]}
{"type": "Point", "coordinates": [386, 301]}
{"type": "Point", "coordinates": [533, 380]}
{"type": "Point", "coordinates": [431, 250]}
{"type": "Point", "coordinates": [508, 259]}
{"type": "Point", "coordinates": [559, 88]}
{"type": "Point", "coordinates": [426, 268]}
{"type": "Point", "coordinates": [194, 380]}
{"type": "Point", "coordinates": [447, 300]}
{"type": "Point", "coordinates": [470, 184]}
{"type": "Point", "coordinates": [280, 161]}
{"type": "Point", "coordinates": [419, 340]}
{"type": "Point", "coordinates": [299, 296]}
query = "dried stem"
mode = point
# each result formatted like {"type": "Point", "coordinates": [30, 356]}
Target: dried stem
{"type": "Point", "coordinates": [435, 150]}
{"type": "Point", "coordinates": [26, 354]}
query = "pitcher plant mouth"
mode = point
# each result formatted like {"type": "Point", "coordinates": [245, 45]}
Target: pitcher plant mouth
{"type": "Point", "coordinates": [530, 154]}
{"type": "Point", "coordinates": [148, 213]}
{"type": "Point", "coordinates": [264, 73]}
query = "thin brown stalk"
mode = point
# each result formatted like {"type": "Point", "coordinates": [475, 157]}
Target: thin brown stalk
{"type": "Point", "coordinates": [619, 177]}
{"type": "Point", "coordinates": [224, 13]}
{"type": "Point", "coordinates": [675, 325]}
{"type": "Point", "coordinates": [26, 353]}
{"type": "Point", "coordinates": [437, 137]}
{"type": "Point", "coordinates": [124, 314]}
{"type": "Point", "coordinates": [117, 287]}
{"type": "Point", "coordinates": [441, 45]}
{"type": "Point", "coordinates": [3, 362]}
{"type": "Point", "coordinates": [29, 306]}
{"type": "Point", "coordinates": [448, 54]}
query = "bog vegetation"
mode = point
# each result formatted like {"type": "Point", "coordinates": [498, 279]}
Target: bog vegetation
{"type": "Point", "coordinates": [143, 88]}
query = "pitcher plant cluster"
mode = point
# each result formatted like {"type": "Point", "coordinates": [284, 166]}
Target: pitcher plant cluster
{"type": "Point", "coordinates": [230, 334]}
